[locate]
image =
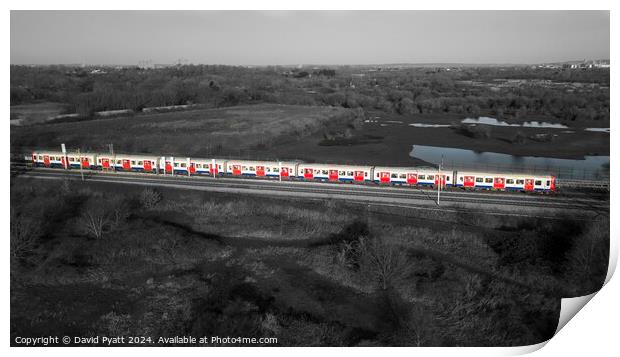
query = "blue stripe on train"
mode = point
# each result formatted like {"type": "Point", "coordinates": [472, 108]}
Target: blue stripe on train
{"type": "Point", "coordinates": [341, 179]}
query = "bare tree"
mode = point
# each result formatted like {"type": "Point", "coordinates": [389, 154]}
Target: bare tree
{"type": "Point", "coordinates": [96, 220]}
{"type": "Point", "coordinates": [119, 211]}
{"type": "Point", "coordinates": [24, 235]}
{"type": "Point", "coordinates": [149, 198]}
{"type": "Point", "coordinates": [381, 261]}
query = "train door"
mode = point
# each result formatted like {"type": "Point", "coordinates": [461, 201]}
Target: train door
{"type": "Point", "coordinates": [105, 163]}
{"type": "Point", "coordinates": [359, 176]}
{"type": "Point", "coordinates": [168, 166]}
{"type": "Point", "coordinates": [85, 163]}
{"type": "Point", "coordinates": [213, 169]}
{"type": "Point", "coordinates": [552, 187]}
{"type": "Point", "coordinates": [412, 179]}
{"type": "Point", "coordinates": [236, 170]}
{"type": "Point", "coordinates": [308, 173]}
{"type": "Point", "coordinates": [384, 177]}
{"type": "Point", "coordinates": [126, 165]}
{"type": "Point", "coordinates": [333, 175]}
{"type": "Point", "coordinates": [63, 162]}
{"type": "Point", "coordinates": [46, 160]}
{"type": "Point", "coordinates": [499, 183]}
{"type": "Point", "coordinates": [260, 170]}
{"type": "Point", "coordinates": [34, 159]}
{"type": "Point", "coordinates": [529, 185]}
{"type": "Point", "coordinates": [469, 181]}
{"type": "Point", "coordinates": [192, 167]}
{"type": "Point", "coordinates": [284, 172]}
{"type": "Point", "coordinates": [147, 165]}
{"type": "Point", "coordinates": [443, 180]}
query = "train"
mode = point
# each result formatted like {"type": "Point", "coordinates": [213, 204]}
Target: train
{"type": "Point", "coordinates": [290, 170]}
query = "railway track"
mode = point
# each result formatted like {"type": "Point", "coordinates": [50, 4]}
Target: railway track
{"type": "Point", "coordinates": [518, 203]}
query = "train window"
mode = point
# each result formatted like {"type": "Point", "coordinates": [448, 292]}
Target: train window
{"type": "Point", "coordinates": [349, 173]}
{"type": "Point", "coordinates": [520, 181]}
{"type": "Point", "coordinates": [402, 176]}
{"type": "Point", "coordinates": [488, 180]}
{"type": "Point", "coordinates": [461, 179]}
{"type": "Point", "coordinates": [244, 168]}
{"type": "Point", "coordinates": [183, 164]}
{"type": "Point", "coordinates": [365, 174]}
{"type": "Point", "coordinates": [140, 162]}
{"type": "Point", "coordinates": [421, 177]}
{"type": "Point", "coordinates": [447, 178]}
{"type": "Point", "coordinates": [510, 181]}
{"type": "Point", "coordinates": [479, 179]}
{"type": "Point", "coordinates": [118, 162]}
{"type": "Point", "coordinates": [251, 168]}
{"type": "Point", "coordinates": [394, 175]}
{"type": "Point", "coordinates": [324, 172]}
{"type": "Point", "coordinates": [71, 159]}
{"type": "Point", "coordinates": [538, 182]}
{"type": "Point", "coordinates": [548, 183]}
{"type": "Point", "coordinates": [316, 172]}
{"type": "Point", "coordinates": [341, 173]}
{"type": "Point", "coordinates": [133, 162]}
{"type": "Point", "coordinates": [276, 169]}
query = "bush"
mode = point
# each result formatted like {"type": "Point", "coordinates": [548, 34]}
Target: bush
{"type": "Point", "coordinates": [149, 198]}
{"type": "Point", "coordinates": [375, 259]}
{"type": "Point", "coordinates": [95, 220]}
{"type": "Point", "coordinates": [474, 131]}
{"type": "Point", "coordinates": [24, 235]}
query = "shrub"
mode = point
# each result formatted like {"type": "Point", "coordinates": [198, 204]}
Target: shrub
{"type": "Point", "coordinates": [375, 259]}
{"type": "Point", "coordinates": [149, 198]}
{"type": "Point", "coordinates": [474, 131]}
{"type": "Point", "coordinates": [24, 235]}
{"type": "Point", "coordinates": [96, 219]}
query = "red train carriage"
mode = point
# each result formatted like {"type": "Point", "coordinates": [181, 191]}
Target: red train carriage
{"type": "Point", "coordinates": [127, 162]}
{"type": "Point", "coordinates": [267, 169]}
{"type": "Point", "coordinates": [210, 167]}
{"type": "Point", "coordinates": [411, 176]}
{"type": "Point", "coordinates": [334, 173]}
{"type": "Point", "coordinates": [504, 181]}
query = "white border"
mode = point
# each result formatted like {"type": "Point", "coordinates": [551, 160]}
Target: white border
{"type": "Point", "coordinates": [591, 331]}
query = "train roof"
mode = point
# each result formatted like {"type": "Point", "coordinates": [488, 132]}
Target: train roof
{"type": "Point", "coordinates": [60, 153]}
{"type": "Point", "coordinates": [338, 166]}
{"type": "Point", "coordinates": [258, 162]}
{"type": "Point", "coordinates": [412, 169]}
{"type": "Point", "coordinates": [130, 156]}
{"type": "Point", "coordinates": [507, 174]}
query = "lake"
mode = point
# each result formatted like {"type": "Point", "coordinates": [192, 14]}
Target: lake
{"type": "Point", "coordinates": [590, 168]}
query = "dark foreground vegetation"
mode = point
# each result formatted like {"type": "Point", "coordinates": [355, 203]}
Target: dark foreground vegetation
{"type": "Point", "coordinates": [504, 92]}
{"type": "Point", "coordinates": [99, 259]}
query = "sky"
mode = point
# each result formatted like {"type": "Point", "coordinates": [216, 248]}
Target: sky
{"type": "Point", "coordinates": [307, 37]}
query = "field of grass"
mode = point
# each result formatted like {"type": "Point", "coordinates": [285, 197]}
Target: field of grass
{"type": "Point", "coordinates": [236, 131]}
{"type": "Point", "coordinates": [175, 262]}
{"type": "Point", "coordinates": [36, 113]}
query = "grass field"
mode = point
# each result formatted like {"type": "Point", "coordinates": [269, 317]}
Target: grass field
{"type": "Point", "coordinates": [36, 113]}
{"type": "Point", "coordinates": [176, 262]}
{"type": "Point", "coordinates": [235, 131]}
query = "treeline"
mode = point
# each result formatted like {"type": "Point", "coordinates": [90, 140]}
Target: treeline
{"type": "Point", "coordinates": [404, 91]}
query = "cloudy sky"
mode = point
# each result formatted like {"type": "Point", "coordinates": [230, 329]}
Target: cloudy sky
{"type": "Point", "coordinates": [307, 37]}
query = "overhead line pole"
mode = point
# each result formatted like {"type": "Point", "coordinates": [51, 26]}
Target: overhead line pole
{"type": "Point", "coordinates": [439, 182]}
{"type": "Point", "coordinates": [81, 169]}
